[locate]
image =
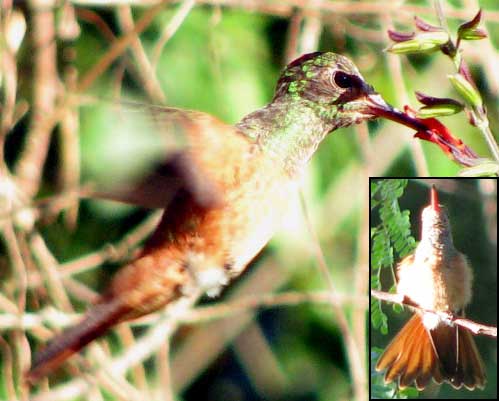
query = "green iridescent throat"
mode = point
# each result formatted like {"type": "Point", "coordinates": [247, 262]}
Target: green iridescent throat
{"type": "Point", "coordinates": [307, 105]}
{"type": "Point", "coordinates": [290, 130]}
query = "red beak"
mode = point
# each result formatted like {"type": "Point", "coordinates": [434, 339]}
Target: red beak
{"type": "Point", "coordinates": [429, 129]}
{"type": "Point", "coordinates": [434, 199]}
{"type": "Point", "coordinates": [378, 107]}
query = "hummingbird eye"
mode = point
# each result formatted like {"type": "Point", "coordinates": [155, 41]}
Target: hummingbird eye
{"type": "Point", "coordinates": [344, 80]}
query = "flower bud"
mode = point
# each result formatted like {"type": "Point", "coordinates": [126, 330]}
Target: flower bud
{"type": "Point", "coordinates": [397, 36]}
{"type": "Point", "coordinates": [470, 31]}
{"type": "Point", "coordinates": [466, 90]}
{"type": "Point", "coordinates": [438, 111]}
{"type": "Point", "coordinates": [421, 43]}
{"type": "Point", "coordinates": [485, 168]}
{"type": "Point", "coordinates": [424, 26]}
{"type": "Point", "coordinates": [473, 34]}
{"type": "Point", "coordinates": [437, 107]}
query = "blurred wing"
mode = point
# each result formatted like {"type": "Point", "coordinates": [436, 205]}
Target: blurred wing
{"type": "Point", "coordinates": [159, 185]}
{"type": "Point", "coordinates": [157, 152]}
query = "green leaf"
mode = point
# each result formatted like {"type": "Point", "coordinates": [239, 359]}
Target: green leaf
{"type": "Point", "coordinates": [409, 392]}
{"type": "Point", "coordinates": [397, 308]}
{"type": "Point", "coordinates": [393, 232]}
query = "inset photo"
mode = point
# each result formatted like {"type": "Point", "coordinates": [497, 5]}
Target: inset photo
{"type": "Point", "coordinates": [433, 288]}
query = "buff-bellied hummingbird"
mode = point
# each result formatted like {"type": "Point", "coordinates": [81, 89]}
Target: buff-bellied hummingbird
{"type": "Point", "coordinates": [224, 194]}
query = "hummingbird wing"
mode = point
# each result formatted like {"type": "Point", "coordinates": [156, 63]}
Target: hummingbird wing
{"type": "Point", "coordinates": [199, 155]}
{"type": "Point", "coordinates": [174, 146]}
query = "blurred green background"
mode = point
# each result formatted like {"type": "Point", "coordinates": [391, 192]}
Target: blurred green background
{"type": "Point", "coordinates": [225, 60]}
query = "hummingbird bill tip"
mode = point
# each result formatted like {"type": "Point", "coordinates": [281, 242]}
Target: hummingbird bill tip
{"type": "Point", "coordinates": [434, 199]}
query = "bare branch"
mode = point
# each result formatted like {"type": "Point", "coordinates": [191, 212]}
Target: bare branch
{"type": "Point", "coordinates": [201, 314]}
{"type": "Point", "coordinates": [475, 328]}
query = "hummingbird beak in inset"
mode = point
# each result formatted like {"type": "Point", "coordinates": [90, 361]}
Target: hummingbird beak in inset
{"type": "Point", "coordinates": [434, 199]}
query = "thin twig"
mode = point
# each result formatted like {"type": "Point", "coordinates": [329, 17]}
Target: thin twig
{"type": "Point", "coordinates": [437, 4]}
{"type": "Point", "coordinates": [118, 366]}
{"type": "Point", "coordinates": [361, 281]}
{"type": "Point", "coordinates": [30, 164]}
{"type": "Point", "coordinates": [146, 72]}
{"type": "Point", "coordinates": [8, 69]}
{"type": "Point", "coordinates": [291, 49]}
{"type": "Point", "coordinates": [353, 349]}
{"type": "Point", "coordinates": [170, 29]}
{"type": "Point", "coordinates": [474, 327]}
{"type": "Point", "coordinates": [49, 268]}
{"type": "Point", "coordinates": [108, 253]}
{"type": "Point", "coordinates": [198, 315]}
{"type": "Point", "coordinates": [285, 8]}
{"type": "Point", "coordinates": [119, 47]}
{"type": "Point", "coordinates": [164, 373]}
{"type": "Point", "coordinates": [70, 164]}
{"type": "Point", "coordinates": [138, 371]}
{"type": "Point", "coordinates": [311, 30]}
{"type": "Point", "coordinates": [289, 298]}
{"type": "Point", "coordinates": [7, 362]}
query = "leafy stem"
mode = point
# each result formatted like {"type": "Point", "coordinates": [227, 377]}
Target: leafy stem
{"type": "Point", "coordinates": [432, 38]}
{"type": "Point", "coordinates": [478, 114]}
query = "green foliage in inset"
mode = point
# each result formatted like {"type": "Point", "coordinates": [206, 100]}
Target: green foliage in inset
{"type": "Point", "coordinates": [392, 234]}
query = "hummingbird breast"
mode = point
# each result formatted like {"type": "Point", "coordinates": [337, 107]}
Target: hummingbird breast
{"type": "Point", "coordinates": [255, 211]}
{"type": "Point", "coordinates": [207, 246]}
{"type": "Point", "coordinates": [436, 281]}
{"type": "Point", "coordinates": [254, 191]}
{"type": "Point", "coordinates": [223, 240]}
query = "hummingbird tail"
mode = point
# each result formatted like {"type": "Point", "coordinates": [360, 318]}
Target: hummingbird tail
{"type": "Point", "coordinates": [460, 360]}
{"type": "Point", "coordinates": [95, 323]}
{"type": "Point", "coordinates": [474, 367]}
{"type": "Point", "coordinates": [410, 357]}
{"type": "Point", "coordinates": [444, 353]}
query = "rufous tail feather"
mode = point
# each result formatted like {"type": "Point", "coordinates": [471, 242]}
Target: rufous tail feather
{"type": "Point", "coordinates": [95, 323]}
{"type": "Point", "coordinates": [446, 353]}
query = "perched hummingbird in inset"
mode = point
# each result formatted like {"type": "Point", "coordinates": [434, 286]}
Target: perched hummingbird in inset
{"type": "Point", "coordinates": [436, 277]}
{"type": "Point", "coordinates": [225, 193]}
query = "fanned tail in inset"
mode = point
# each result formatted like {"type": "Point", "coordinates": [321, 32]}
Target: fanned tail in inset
{"type": "Point", "coordinates": [445, 353]}
{"type": "Point", "coordinates": [410, 357]}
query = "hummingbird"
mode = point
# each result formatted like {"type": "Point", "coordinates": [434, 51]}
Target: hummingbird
{"type": "Point", "coordinates": [224, 194]}
{"type": "Point", "coordinates": [436, 277]}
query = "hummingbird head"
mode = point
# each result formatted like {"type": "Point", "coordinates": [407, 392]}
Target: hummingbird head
{"type": "Point", "coordinates": [316, 94]}
{"type": "Point", "coordinates": [332, 84]}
